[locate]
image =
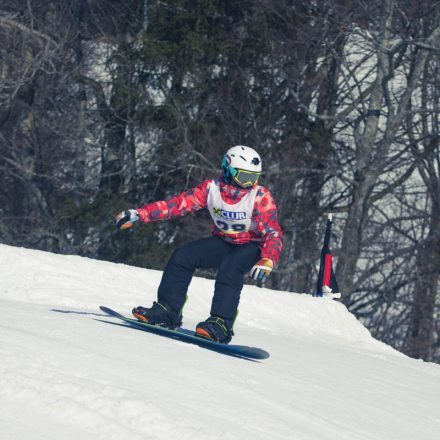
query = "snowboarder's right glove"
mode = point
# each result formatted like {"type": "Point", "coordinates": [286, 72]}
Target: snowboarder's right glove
{"type": "Point", "coordinates": [261, 270]}
{"type": "Point", "coordinates": [125, 219]}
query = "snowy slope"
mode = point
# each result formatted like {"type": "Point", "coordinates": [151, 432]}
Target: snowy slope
{"type": "Point", "coordinates": [65, 375]}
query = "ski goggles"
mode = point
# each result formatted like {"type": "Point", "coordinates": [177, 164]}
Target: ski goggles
{"type": "Point", "coordinates": [241, 177]}
{"type": "Point", "coordinates": [244, 178]}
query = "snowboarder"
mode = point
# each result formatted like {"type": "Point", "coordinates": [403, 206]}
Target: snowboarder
{"type": "Point", "coordinates": [246, 237]}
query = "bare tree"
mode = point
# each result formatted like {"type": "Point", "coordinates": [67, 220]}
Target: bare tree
{"type": "Point", "coordinates": [425, 135]}
{"type": "Point", "coordinates": [374, 138]}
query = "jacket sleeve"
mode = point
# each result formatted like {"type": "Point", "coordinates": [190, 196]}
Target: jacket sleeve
{"type": "Point", "coordinates": [178, 206]}
{"type": "Point", "coordinates": [268, 226]}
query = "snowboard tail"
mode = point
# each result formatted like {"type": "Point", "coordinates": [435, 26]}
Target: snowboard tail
{"type": "Point", "coordinates": [189, 336]}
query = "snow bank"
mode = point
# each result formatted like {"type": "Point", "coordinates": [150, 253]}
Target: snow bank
{"type": "Point", "coordinates": [65, 374]}
{"type": "Point", "coordinates": [69, 281]}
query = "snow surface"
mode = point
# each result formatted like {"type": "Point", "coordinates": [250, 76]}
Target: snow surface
{"type": "Point", "coordinates": [66, 375]}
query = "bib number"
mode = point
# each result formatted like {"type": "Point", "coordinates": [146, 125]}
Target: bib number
{"type": "Point", "coordinates": [235, 227]}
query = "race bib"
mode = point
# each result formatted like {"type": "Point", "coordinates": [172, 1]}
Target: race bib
{"type": "Point", "coordinates": [231, 219]}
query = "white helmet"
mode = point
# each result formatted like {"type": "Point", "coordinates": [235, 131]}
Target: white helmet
{"type": "Point", "coordinates": [242, 165]}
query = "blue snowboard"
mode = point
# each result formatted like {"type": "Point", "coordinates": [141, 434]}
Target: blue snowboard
{"type": "Point", "coordinates": [184, 335]}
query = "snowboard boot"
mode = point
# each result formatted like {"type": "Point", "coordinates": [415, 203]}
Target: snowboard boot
{"type": "Point", "coordinates": [216, 329]}
{"type": "Point", "coordinates": [158, 314]}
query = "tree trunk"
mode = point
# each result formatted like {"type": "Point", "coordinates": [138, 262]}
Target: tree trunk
{"type": "Point", "coordinates": [419, 338]}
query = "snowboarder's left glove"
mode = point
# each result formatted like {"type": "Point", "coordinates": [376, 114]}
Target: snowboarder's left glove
{"type": "Point", "coordinates": [261, 270]}
{"type": "Point", "coordinates": [125, 219]}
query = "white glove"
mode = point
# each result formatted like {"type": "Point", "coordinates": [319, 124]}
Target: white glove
{"type": "Point", "coordinates": [261, 270]}
{"type": "Point", "coordinates": [126, 219]}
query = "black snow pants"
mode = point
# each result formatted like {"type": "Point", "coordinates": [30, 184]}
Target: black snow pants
{"type": "Point", "coordinates": [232, 262]}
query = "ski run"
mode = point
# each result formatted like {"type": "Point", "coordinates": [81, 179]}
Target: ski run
{"type": "Point", "coordinates": [65, 374]}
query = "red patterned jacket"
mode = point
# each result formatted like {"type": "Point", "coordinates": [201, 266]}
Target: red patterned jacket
{"type": "Point", "coordinates": [267, 233]}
